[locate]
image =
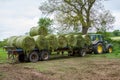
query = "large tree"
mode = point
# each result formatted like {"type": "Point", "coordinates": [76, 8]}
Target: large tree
{"type": "Point", "coordinates": [73, 13]}
{"type": "Point", "coordinates": [46, 23]}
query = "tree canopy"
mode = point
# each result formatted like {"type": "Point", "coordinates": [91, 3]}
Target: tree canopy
{"type": "Point", "coordinates": [74, 13]}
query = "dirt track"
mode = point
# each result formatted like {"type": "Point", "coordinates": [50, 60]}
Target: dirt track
{"type": "Point", "coordinates": [63, 69]}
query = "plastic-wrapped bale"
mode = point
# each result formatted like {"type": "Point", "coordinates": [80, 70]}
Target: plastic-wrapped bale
{"type": "Point", "coordinates": [11, 41]}
{"type": "Point", "coordinates": [62, 41]}
{"type": "Point", "coordinates": [38, 31]}
{"type": "Point", "coordinates": [52, 41]}
{"type": "Point", "coordinates": [71, 40]}
{"type": "Point", "coordinates": [87, 39]}
{"type": "Point", "coordinates": [80, 41]}
{"type": "Point", "coordinates": [27, 43]}
{"type": "Point", "coordinates": [34, 31]}
{"type": "Point", "coordinates": [41, 42]}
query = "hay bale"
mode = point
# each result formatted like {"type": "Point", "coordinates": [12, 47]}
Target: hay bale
{"type": "Point", "coordinates": [80, 41]}
{"type": "Point", "coordinates": [11, 41]}
{"type": "Point", "coordinates": [27, 43]}
{"type": "Point", "coordinates": [71, 40]}
{"type": "Point", "coordinates": [38, 31]}
{"type": "Point", "coordinates": [62, 41]}
{"type": "Point", "coordinates": [87, 39]}
{"type": "Point", "coordinates": [52, 41]}
{"type": "Point", "coordinates": [41, 42]}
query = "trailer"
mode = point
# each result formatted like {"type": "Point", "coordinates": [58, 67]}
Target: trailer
{"type": "Point", "coordinates": [17, 54]}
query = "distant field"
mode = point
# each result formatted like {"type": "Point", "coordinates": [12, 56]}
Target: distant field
{"type": "Point", "coordinates": [115, 38]}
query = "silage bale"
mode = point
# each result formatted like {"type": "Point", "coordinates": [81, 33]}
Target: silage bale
{"type": "Point", "coordinates": [62, 41]}
{"type": "Point", "coordinates": [11, 41]}
{"type": "Point", "coordinates": [34, 31]}
{"type": "Point", "coordinates": [38, 31]}
{"type": "Point", "coordinates": [71, 40]}
{"type": "Point", "coordinates": [27, 43]}
{"type": "Point", "coordinates": [87, 39]}
{"type": "Point", "coordinates": [52, 41]}
{"type": "Point", "coordinates": [41, 42]}
{"type": "Point", "coordinates": [80, 41]}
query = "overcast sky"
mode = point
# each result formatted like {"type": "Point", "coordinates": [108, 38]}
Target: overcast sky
{"type": "Point", "coordinates": [18, 16]}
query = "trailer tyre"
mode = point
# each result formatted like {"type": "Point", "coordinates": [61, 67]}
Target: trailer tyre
{"type": "Point", "coordinates": [82, 53]}
{"type": "Point", "coordinates": [33, 57]}
{"type": "Point", "coordinates": [44, 55]}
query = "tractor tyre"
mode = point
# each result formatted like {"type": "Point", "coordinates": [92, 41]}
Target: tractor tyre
{"type": "Point", "coordinates": [33, 57]}
{"type": "Point", "coordinates": [98, 49]}
{"type": "Point", "coordinates": [109, 49]}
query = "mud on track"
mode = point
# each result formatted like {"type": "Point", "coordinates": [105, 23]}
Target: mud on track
{"type": "Point", "coordinates": [63, 69]}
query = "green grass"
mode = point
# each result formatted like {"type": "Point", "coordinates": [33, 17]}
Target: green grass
{"type": "Point", "coordinates": [3, 55]}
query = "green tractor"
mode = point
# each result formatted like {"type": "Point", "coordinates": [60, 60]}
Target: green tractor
{"type": "Point", "coordinates": [99, 45]}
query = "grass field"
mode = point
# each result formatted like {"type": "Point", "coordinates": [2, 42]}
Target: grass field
{"type": "Point", "coordinates": [115, 38]}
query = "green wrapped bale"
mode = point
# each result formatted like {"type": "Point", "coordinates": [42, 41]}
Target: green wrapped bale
{"type": "Point", "coordinates": [27, 43]}
{"type": "Point", "coordinates": [38, 31]}
{"type": "Point", "coordinates": [52, 41]}
{"type": "Point", "coordinates": [87, 39]}
{"type": "Point", "coordinates": [34, 31]}
{"type": "Point", "coordinates": [71, 40]}
{"type": "Point", "coordinates": [11, 41]}
{"type": "Point", "coordinates": [80, 41]}
{"type": "Point", "coordinates": [62, 41]}
{"type": "Point", "coordinates": [41, 42]}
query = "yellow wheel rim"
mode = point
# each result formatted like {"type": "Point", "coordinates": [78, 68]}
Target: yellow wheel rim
{"type": "Point", "coordinates": [100, 49]}
{"type": "Point", "coordinates": [110, 50]}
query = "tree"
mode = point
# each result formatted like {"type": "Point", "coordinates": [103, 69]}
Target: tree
{"type": "Point", "coordinates": [46, 23]}
{"type": "Point", "coordinates": [103, 21]}
{"type": "Point", "coordinates": [116, 32]}
{"type": "Point", "coordinates": [73, 13]}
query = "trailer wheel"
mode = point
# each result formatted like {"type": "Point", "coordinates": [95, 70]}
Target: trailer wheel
{"type": "Point", "coordinates": [44, 55]}
{"type": "Point", "coordinates": [33, 57]}
{"type": "Point", "coordinates": [82, 53]}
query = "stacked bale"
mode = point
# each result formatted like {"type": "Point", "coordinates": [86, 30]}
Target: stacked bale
{"type": "Point", "coordinates": [71, 40]}
{"type": "Point", "coordinates": [11, 41]}
{"type": "Point", "coordinates": [41, 42]}
{"type": "Point", "coordinates": [38, 31]}
{"type": "Point", "coordinates": [27, 43]}
{"type": "Point", "coordinates": [62, 41]}
{"type": "Point", "coordinates": [52, 42]}
{"type": "Point", "coordinates": [80, 41]}
{"type": "Point", "coordinates": [87, 39]}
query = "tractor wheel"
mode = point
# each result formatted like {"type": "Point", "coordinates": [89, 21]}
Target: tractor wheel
{"type": "Point", "coordinates": [44, 55]}
{"type": "Point", "coordinates": [33, 57]}
{"type": "Point", "coordinates": [110, 49]}
{"type": "Point", "coordinates": [98, 49]}
{"type": "Point", "coordinates": [82, 53]}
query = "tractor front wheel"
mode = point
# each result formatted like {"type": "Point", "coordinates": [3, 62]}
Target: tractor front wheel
{"type": "Point", "coordinates": [110, 49]}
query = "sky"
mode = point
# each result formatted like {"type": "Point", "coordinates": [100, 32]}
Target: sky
{"type": "Point", "coordinates": [18, 16]}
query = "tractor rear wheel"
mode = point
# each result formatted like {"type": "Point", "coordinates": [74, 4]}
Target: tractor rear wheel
{"type": "Point", "coordinates": [98, 49]}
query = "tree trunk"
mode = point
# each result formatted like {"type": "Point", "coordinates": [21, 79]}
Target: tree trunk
{"type": "Point", "coordinates": [84, 30]}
